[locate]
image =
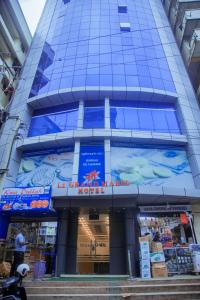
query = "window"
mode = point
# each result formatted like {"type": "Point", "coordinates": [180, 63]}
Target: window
{"type": "Point", "coordinates": [122, 9]}
{"type": "Point", "coordinates": [125, 26]}
{"type": "Point", "coordinates": [66, 1]}
{"type": "Point", "coordinates": [54, 121]}
{"type": "Point", "coordinates": [93, 114]}
{"type": "Point", "coordinates": [144, 116]}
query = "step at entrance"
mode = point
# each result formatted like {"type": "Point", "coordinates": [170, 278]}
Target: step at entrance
{"type": "Point", "coordinates": [169, 289]}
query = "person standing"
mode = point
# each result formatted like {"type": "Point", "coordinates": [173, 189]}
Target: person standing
{"type": "Point", "coordinates": [20, 248]}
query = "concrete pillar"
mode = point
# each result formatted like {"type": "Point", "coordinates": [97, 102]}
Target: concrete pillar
{"type": "Point", "coordinates": [117, 243]}
{"type": "Point", "coordinates": [72, 242]}
{"type": "Point", "coordinates": [132, 233]}
{"type": "Point", "coordinates": [62, 233]}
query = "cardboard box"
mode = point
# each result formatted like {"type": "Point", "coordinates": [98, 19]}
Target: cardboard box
{"type": "Point", "coordinates": [145, 255]}
{"type": "Point", "coordinates": [5, 269]}
{"type": "Point", "coordinates": [145, 269]}
{"type": "Point", "coordinates": [144, 246]}
{"type": "Point", "coordinates": [145, 238]}
{"type": "Point", "coordinates": [196, 261]}
{"type": "Point", "coordinates": [145, 264]}
{"type": "Point", "coordinates": [145, 274]}
{"type": "Point", "coordinates": [159, 270]}
{"type": "Point", "coordinates": [156, 247]}
{"type": "Point", "coordinates": [157, 257]}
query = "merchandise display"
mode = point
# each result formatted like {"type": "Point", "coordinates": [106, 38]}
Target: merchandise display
{"type": "Point", "coordinates": [41, 237]}
{"type": "Point", "coordinates": [169, 238]}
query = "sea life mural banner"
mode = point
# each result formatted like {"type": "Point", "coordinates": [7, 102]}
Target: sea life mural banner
{"type": "Point", "coordinates": [151, 166]}
{"type": "Point", "coordinates": [91, 165]}
{"type": "Point", "coordinates": [46, 168]}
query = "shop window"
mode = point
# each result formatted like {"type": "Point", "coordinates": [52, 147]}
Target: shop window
{"type": "Point", "coordinates": [122, 9]}
{"type": "Point", "coordinates": [144, 116]}
{"type": "Point", "coordinates": [93, 115]}
{"type": "Point", "coordinates": [53, 122]}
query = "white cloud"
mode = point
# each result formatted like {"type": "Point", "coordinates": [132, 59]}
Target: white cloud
{"type": "Point", "coordinates": [32, 10]}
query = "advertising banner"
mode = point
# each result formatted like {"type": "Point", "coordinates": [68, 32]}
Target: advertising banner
{"type": "Point", "coordinates": [17, 199]}
{"type": "Point", "coordinates": [91, 165]}
{"type": "Point", "coordinates": [44, 168]}
{"type": "Point", "coordinates": [151, 166]}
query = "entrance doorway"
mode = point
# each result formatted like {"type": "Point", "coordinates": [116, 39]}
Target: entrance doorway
{"type": "Point", "coordinates": [93, 247]}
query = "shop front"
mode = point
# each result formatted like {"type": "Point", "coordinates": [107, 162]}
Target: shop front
{"type": "Point", "coordinates": [29, 210]}
{"type": "Point", "coordinates": [166, 241]}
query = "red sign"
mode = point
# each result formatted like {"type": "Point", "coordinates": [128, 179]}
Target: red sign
{"type": "Point", "coordinates": [75, 184]}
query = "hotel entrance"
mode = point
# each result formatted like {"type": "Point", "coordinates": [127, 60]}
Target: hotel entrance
{"type": "Point", "coordinates": [93, 244]}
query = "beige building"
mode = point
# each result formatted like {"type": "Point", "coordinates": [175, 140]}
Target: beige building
{"type": "Point", "coordinates": [184, 17]}
{"type": "Point", "coordinates": [15, 39]}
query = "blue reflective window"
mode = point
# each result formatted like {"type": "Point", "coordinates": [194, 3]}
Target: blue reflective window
{"type": "Point", "coordinates": [54, 121]}
{"type": "Point", "coordinates": [144, 116]}
{"type": "Point", "coordinates": [93, 115]}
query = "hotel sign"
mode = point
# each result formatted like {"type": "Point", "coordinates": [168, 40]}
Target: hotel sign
{"type": "Point", "coordinates": [96, 188]}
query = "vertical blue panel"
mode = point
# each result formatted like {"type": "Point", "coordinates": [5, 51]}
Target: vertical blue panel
{"type": "Point", "coordinates": [91, 165]}
{"type": "Point", "coordinates": [4, 223]}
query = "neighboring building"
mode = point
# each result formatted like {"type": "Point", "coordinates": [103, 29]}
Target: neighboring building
{"type": "Point", "coordinates": [15, 39]}
{"type": "Point", "coordinates": [109, 120]}
{"type": "Point", "coordinates": [184, 16]}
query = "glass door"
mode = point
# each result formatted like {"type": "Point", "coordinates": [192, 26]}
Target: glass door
{"type": "Point", "coordinates": [93, 247]}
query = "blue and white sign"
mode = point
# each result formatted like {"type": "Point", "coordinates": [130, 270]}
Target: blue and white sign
{"type": "Point", "coordinates": [18, 199]}
{"type": "Point", "coordinates": [151, 166]}
{"type": "Point", "coordinates": [91, 165]}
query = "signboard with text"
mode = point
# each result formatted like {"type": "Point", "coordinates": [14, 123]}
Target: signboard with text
{"type": "Point", "coordinates": [18, 199]}
{"type": "Point", "coordinates": [91, 165]}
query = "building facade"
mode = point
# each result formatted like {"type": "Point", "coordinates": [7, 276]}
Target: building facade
{"type": "Point", "coordinates": [108, 129]}
{"type": "Point", "coordinates": [184, 17]}
{"type": "Point", "coordinates": [15, 39]}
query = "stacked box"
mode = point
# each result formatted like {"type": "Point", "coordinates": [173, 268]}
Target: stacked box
{"type": "Point", "coordinates": [196, 261]}
{"type": "Point", "coordinates": [145, 268]}
{"type": "Point", "coordinates": [159, 270]}
{"type": "Point", "coordinates": [156, 247]}
{"type": "Point", "coordinates": [157, 257]}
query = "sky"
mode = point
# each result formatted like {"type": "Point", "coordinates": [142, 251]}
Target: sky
{"type": "Point", "coordinates": [32, 10]}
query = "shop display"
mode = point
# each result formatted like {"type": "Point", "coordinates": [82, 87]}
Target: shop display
{"type": "Point", "coordinates": [41, 237]}
{"type": "Point", "coordinates": [170, 236]}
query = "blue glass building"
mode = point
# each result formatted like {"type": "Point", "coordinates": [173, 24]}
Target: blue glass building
{"type": "Point", "coordinates": [109, 120]}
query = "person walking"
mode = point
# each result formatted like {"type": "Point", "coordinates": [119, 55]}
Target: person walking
{"type": "Point", "coordinates": [20, 248]}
